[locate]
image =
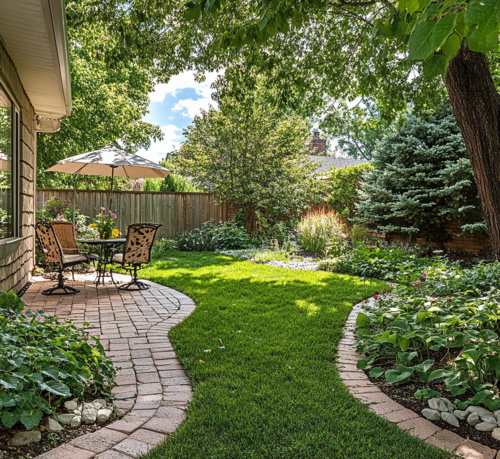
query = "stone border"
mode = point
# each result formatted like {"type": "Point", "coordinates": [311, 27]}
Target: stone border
{"type": "Point", "coordinates": [153, 389]}
{"type": "Point", "coordinates": [365, 391]}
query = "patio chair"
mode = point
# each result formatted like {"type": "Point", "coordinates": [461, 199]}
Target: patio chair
{"type": "Point", "coordinates": [65, 233]}
{"type": "Point", "coordinates": [136, 252]}
{"type": "Point", "coordinates": [54, 254]}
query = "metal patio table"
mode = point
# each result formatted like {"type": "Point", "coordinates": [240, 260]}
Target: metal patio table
{"type": "Point", "coordinates": [105, 255]}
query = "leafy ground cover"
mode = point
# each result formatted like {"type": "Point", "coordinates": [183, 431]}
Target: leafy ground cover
{"type": "Point", "coordinates": [260, 348]}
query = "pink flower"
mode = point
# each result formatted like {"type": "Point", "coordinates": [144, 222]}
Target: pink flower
{"type": "Point", "coordinates": [52, 210]}
{"type": "Point", "coordinates": [390, 284]}
{"type": "Point", "coordinates": [434, 298]}
{"type": "Point", "coordinates": [416, 283]}
{"type": "Point", "coordinates": [362, 302]}
{"type": "Point", "coordinates": [113, 216]}
{"type": "Point", "coordinates": [103, 209]}
{"type": "Point", "coordinates": [449, 299]}
{"type": "Point", "coordinates": [425, 274]}
{"type": "Point", "coordinates": [57, 199]}
{"type": "Point", "coordinates": [375, 296]}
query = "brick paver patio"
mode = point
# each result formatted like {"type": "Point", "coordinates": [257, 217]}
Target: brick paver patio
{"type": "Point", "coordinates": [153, 389]}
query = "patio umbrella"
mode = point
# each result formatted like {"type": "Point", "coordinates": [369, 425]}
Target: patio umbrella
{"type": "Point", "coordinates": [109, 162]}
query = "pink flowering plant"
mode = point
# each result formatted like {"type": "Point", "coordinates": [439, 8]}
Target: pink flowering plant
{"type": "Point", "coordinates": [105, 223]}
{"type": "Point", "coordinates": [442, 328]}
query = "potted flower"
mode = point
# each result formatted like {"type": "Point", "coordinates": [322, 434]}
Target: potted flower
{"type": "Point", "coordinates": [105, 224]}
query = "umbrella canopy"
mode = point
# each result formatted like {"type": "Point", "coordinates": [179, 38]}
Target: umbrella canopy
{"type": "Point", "coordinates": [110, 161]}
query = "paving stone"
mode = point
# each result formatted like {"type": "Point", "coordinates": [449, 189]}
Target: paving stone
{"type": "Point", "coordinates": [445, 440]}
{"type": "Point", "coordinates": [67, 451]}
{"type": "Point", "coordinates": [150, 388]}
{"type": "Point", "coordinates": [400, 415]}
{"type": "Point", "coordinates": [133, 447]}
{"type": "Point", "coordinates": [373, 397]}
{"type": "Point", "coordinates": [99, 441]}
{"type": "Point", "coordinates": [471, 450]}
{"type": "Point", "coordinates": [387, 407]}
{"type": "Point", "coordinates": [126, 426]}
{"type": "Point", "coordinates": [162, 424]}
{"type": "Point", "coordinates": [148, 436]}
{"type": "Point", "coordinates": [110, 454]}
{"type": "Point", "coordinates": [419, 427]}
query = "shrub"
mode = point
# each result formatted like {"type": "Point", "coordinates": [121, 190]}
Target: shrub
{"type": "Point", "coordinates": [317, 232]}
{"type": "Point", "coordinates": [164, 244]}
{"type": "Point", "coordinates": [44, 360]}
{"type": "Point", "coordinates": [344, 185]}
{"type": "Point", "coordinates": [230, 236]}
{"type": "Point", "coordinates": [199, 239]}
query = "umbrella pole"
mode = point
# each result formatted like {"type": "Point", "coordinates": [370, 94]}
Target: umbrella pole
{"type": "Point", "coordinates": [112, 181]}
{"type": "Point", "coordinates": [74, 197]}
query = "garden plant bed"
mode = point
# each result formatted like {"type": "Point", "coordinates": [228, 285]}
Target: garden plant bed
{"type": "Point", "coordinates": [405, 395]}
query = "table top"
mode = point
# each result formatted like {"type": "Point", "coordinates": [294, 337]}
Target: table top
{"type": "Point", "coordinates": [101, 241]}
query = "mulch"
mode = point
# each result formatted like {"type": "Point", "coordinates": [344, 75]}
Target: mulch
{"type": "Point", "coordinates": [404, 394]}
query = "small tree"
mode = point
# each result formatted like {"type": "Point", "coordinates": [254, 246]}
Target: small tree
{"type": "Point", "coordinates": [250, 154]}
{"type": "Point", "coordinates": [422, 179]}
{"type": "Point", "coordinates": [344, 185]}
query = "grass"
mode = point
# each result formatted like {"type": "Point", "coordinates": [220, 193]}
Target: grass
{"type": "Point", "coordinates": [269, 388]}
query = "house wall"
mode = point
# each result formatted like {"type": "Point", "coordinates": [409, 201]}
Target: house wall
{"type": "Point", "coordinates": [15, 267]}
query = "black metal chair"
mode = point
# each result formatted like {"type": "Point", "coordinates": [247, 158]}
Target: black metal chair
{"type": "Point", "coordinates": [136, 252]}
{"type": "Point", "coordinates": [54, 254]}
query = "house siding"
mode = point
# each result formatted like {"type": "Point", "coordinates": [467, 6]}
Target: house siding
{"type": "Point", "coordinates": [16, 267]}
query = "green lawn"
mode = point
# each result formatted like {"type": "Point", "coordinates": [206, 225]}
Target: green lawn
{"type": "Point", "coordinates": [268, 388]}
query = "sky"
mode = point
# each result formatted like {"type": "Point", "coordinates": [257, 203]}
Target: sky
{"type": "Point", "coordinates": [173, 106]}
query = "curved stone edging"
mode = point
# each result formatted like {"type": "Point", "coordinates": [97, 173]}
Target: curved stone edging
{"type": "Point", "coordinates": [365, 391]}
{"type": "Point", "coordinates": [153, 389]}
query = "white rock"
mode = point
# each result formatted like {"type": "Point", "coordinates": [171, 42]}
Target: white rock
{"type": "Point", "coordinates": [473, 419]}
{"type": "Point", "coordinates": [104, 415]}
{"type": "Point", "coordinates": [101, 401]}
{"type": "Point", "coordinates": [486, 426]}
{"type": "Point", "coordinates": [89, 416]}
{"type": "Point", "coordinates": [450, 419]}
{"type": "Point", "coordinates": [25, 438]}
{"type": "Point", "coordinates": [71, 405]}
{"type": "Point", "coordinates": [53, 426]}
{"type": "Point", "coordinates": [76, 421]}
{"type": "Point", "coordinates": [496, 433]}
{"type": "Point", "coordinates": [97, 405]}
{"type": "Point", "coordinates": [65, 419]}
{"type": "Point", "coordinates": [78, 413]}
{"type": "Point", "coordinates": [461, 415]}
{"type": "Point", "coordinates": [431, 415]}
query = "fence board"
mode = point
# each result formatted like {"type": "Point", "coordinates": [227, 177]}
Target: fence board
{"type": "Point", "coordinates": [177, 212]}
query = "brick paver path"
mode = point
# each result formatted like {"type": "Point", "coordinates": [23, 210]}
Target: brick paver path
{"type": "Point", "coordinates": [153, 389]}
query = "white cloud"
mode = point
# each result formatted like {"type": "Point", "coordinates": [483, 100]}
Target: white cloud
{"type": "Point", "coordinates": [172, 137]}
{"type": "Point", "coordinates": [190, 107]}
{"type": "Point", "coordinates": [182, 81]}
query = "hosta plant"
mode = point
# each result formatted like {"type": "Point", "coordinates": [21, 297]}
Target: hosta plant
{"type": "Point", "coordinates": [43, 361]}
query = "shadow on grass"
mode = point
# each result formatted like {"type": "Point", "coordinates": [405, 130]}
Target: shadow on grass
{"type": "Point", "coordinates": [259, 348]}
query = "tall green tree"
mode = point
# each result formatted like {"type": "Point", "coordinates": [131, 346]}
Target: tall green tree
{"type": "Point", "coordinates": [422, 179]}
{"type": "Point", "coordinates": [251, 154]}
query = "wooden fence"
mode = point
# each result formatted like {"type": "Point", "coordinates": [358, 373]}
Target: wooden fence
{"type": "Point", "coordinates": [177, 212]}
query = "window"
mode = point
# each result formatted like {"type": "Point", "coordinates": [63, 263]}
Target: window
{"type": "Point", "coordinates": [7, 166]}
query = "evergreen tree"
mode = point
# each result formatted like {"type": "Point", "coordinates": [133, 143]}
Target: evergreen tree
{"type": "Point", "coordinates": [422, 179]}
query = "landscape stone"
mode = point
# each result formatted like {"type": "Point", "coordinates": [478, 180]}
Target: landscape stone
{"type": "Point", "coordinates": [431, 415]}
{"type": "Point", "coordinates": [461, 415]}
{"type": "Point", "coordinates": [65, 419]}
{"type": "Point", "coordinates": [434, 404]}
{"type": "Point", "coordinates": [97, 405]}
{"type": "Point", "coordinates": [53, 426]}
{"type": "Point", "coordinates": [89, 415]}
{"type": "Point", "coordinates": [446, 405]}
{"type": "Point", "coordinates": [25, 438]}
{"type": "Point", "coordinates": [473, 419]}
{"type": "Point", "coordinates": [76, 421]}
{"type": "Point", "coordinates": [104, 415]}
{"type": "Point", "coordinates": [497, 415]}
{"type": "Point", "coordinates": [486, 426]}
{"type": "Point", "coordinates": [479, 410]}
{"type": "Point", "coordinates": [450, 419]}
{"type": "Point", "coordinates": [101, 401]}
{"type": "Point", "coordinates": [78, 413]}
{"type": "Point", "coordinates": [71, 405]}
{"type": "Point", "coordinates": [496, 433]}
{"type": "Point", "coordinates": [491, 419]}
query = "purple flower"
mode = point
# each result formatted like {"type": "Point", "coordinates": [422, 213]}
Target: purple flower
{"type": "Point", "coordinates": [113, 216]}
{"type": "Point", "coordinates": [52, 210]}
{"type": "Point", "coordinates": [57, 199]}
{"type": "Point", "coordinates": [103, 209]}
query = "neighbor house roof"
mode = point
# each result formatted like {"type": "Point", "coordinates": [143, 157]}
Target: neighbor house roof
{"type": "Point", "coordinates": [327, 162]}
{"type": "Point", "coordinates": [35, 37]}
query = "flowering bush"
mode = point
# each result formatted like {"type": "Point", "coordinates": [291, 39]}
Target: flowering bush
{"type": "Point", "coordinates": [164, 244]}
{"type": "Point", "coordinates": [319, 233]}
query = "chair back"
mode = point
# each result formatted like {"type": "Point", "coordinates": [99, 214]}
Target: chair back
{"type": "Point", "coordinates": [140, 238]}
{"type": "Point", "coordinates": [47, 239]}
{"type": "Point", "coordinates": [65, 233]}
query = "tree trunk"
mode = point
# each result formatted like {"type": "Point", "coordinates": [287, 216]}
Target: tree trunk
{"type": "Point", "coordinates": [476, 106]}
